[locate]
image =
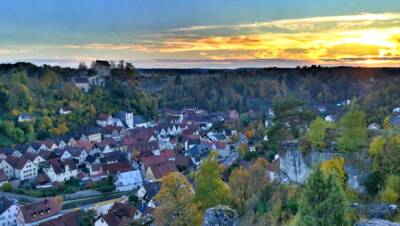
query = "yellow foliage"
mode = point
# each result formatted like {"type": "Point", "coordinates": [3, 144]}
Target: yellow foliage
{"type": "Point", "coordinates": [61, 129]}
{"type": "Point", "coordinates": [15, 112]}
{"type": "Point", "coordinates": [377, 145]}
{"type": "Point", "coordinates": [336, 165]}
{"type": "Point", "coordinates": [389, 195]}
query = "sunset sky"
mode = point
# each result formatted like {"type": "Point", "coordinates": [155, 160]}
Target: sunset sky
{"type": "Point", "coordinates": [206, 33]}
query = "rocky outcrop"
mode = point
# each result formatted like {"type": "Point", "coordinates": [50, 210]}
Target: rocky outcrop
{"type": "Point", "coordinates": [296, 166]}
{"type": "Point", "coordinates": [376, 210]}
{"type": "Point", "coordinates": [220, 216]}
{"type": "Point", "coordinates": [376, 222]}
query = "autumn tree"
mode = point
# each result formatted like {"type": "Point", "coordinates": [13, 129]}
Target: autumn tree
{"type": "Point", "coordinates": [353, 130]}
{"type": "Point", "coordinates": [258, 177]}
{"type": "Point", "coordinates": [20, 97]}
{"type": "Point", "coordinates": [240, 186]}
{"type": "Point", "coordinates": [175, 200]}
{"type": "Point", "coordinates": [49, 78]}
{"type": "Point", "coordinates": [377, 145]}
{"type": "Point", "coordinates": [210, 189]}
{"type": "Point", "coordinates": [323, 202]}
{"type": "Point", "coordinates": [337, 166]}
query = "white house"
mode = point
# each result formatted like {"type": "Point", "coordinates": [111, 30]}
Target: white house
{"type": "Point", "coordinates": [61, 171]}
{"type": "Point", "coordinates": [104, 120]}
{"type": "Point", "coordinates": [8, 212]}
{"type": "Point", "coordinates": [24, 169]}
{"type": "Point", "coordinates": [7, 168]}
{"type": "Point", "coordinates": [25, 117]}
{"type": "Point", "coordinates": [127, 181]}
{"type": "Point", "coordinates": [81, 83]}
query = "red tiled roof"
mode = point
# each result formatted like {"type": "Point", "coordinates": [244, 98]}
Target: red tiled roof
{"type": "Point", "coordinates": [153, 160]}
{"type": "Point", "coordinates": [68, 219]}
{"type": "Point", "coordinates": [115, 168]}
{"type": "Point", "coordinates": [162, 169]}
{"type": "Point", "coordinates": [41, 210]}
{"type": "Point", "coordinates": [16, 162]}
{"type": "Point", "coordinates": [168, 153]}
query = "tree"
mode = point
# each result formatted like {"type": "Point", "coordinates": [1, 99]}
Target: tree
{"type": "Point", "coordinates": [87, 218]}
{"type": "Point", "coordinates": [317, 132]}
{"type": "Point", "coordinates": [391, 193]}
{"type": "Point", "coordinates": [258, 177]}
{"type": "Point", "coordinates": [20, 97]}
{"type": "Point", "coordinates": [336, 165]}
{"type": "Point", "coordinates": [240, 186]}
{"type": "Point", "coordinates": [175, 200]}
{"type": "Point", "coordinates": [82, 66]}
{"type": "Point", "coordinates": [6, 187]}
{"type": "Point", "coordinates": [377, 145]}
{"type": "Point", "coordinates": [387, 162]}
{"type": "Point", "coordinates": [210, 189]}
{"type": "Point", "coordinates": [49, 78]}
{"type": "Point", "coordinates": [323, 202]}
{"type": "Point", "coordinates": [353, 130]}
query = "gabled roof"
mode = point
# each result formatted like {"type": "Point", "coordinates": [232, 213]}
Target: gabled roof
{"type": "Point", "coordinates": [74, 151]}
{"type": "Point", "coordinates": [182, 161]}
{"type": "Point", "coordinates": [102, 63]}
{"type": "Point", "coordinates": [40, 210]}
{"type": "Point", "coordinates": [7, 150]}
{"type": "Point", "coordinates": [162, 169]}
{"type": "Point", "coordinates": [16, 162]}
{"type": "Point", "coordinates": [115, 168]}
{"type": "Point", "coordinates": [68, 219]}
{"type": "Point", "coordinates": [5, 204]}
{"type": "Point", "coordinates": [59, 166]}
{"type": "Point", "coordinates": [152, 160]}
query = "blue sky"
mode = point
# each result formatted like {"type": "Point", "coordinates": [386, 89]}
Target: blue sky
{"type": "Point", "coordinates": [148, 32]}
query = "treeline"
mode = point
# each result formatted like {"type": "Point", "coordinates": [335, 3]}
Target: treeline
{"type": "Point", "coordinates": [42, 91]}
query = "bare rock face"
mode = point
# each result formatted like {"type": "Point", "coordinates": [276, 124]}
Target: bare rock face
{"type": "Point", "coordinates": [220, 216]}
{"type": "Point", "coordinates": [376, 222]}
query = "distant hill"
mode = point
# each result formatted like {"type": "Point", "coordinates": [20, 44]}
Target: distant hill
{"type": "Point", "coordinates": [378, 89]}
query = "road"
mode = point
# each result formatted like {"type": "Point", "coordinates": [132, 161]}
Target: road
{"type": "Point", "coordinates": [20, 198]}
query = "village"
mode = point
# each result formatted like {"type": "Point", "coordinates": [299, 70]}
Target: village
{"type": "Point", "coordinates": [123, 154]}
{"type": "Point", "coordinates": [115, 167]}
{"type": "Point", "coordinates": [111, 170]}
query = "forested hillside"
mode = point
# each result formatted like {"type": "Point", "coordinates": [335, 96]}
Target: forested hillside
{"type": "Point", "coordinates": [378, 89]}
{"type": "Point", "coordinates": [42, 91]}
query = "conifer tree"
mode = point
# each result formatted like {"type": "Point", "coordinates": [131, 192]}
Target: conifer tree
{"type": "Point", "coordinates": [323, 202]}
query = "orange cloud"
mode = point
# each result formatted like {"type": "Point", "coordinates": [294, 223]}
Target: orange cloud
{"type": "Point", "coordinates": [350, 39]}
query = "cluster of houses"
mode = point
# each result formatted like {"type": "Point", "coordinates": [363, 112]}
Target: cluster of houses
{"type": "Point", "coordinates": [135, 152]}
{"type": "Point", "coordinates": [48, 212]}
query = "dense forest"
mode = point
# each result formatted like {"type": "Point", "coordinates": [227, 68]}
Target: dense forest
{"type": "Point", "coordinates": [378, 89]}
